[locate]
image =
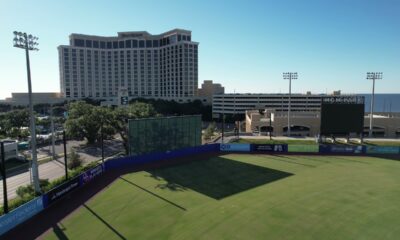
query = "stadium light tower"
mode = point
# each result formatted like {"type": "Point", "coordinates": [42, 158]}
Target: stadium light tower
{"type": "Point", "coordinates": [29, 43]}
{"type": "Point", "coordinates": [372, 76]}
{"type": "Point", "coordinates": [289, 76]}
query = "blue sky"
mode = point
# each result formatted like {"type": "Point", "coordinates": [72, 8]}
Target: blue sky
{"type": "Point", "coordinates": [245, 45]}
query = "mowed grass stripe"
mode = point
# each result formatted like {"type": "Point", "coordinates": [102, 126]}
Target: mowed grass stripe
{"type": "Point", "coordinates": [249, 197]}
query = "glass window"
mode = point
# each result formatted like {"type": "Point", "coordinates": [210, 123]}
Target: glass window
{"type": "Point", "coordinates": [115, 44]}
{"type": "Point", "coordinates": [96, 44]}
{"type": "Point", "coordinates": [128, 43]}
{"type": "Point", "coordinates": [102, 45]}
{"type": "Point", "coordinates": [109, 45]}
{"type": "Point", "coordinates": [179, 37]}
{"type": "Point", "coordinates": [79, 42]}
{"type": "Point", "coordinates": [148, 43]}
{"type": "Point", "coordinates": [141, 43]}
{"type": "Point", "coordinates": [89, 43]}
{"type": "Point", "coordinates": [184, 38]}
{"type": "Point", "coordinates": [188, 38]}
{"type": "Point", "coordinates": [134, 43]}
{"type": "Point", "coordinates": [155, 43]}
{"type": "Point", "coordinates": [121, 44]}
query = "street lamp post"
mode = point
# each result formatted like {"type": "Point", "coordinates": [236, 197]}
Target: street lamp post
{"type": "Point", "coordinates": [29, 43]}
{"type": "Point", "coordinates": [372, 76]}
{"type": "Point", "coordinates": [289, 76]}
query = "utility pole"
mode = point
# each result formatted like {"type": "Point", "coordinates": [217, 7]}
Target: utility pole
{"type": "Point", "coordinates": [4, 175]}
{"type": "Point", "coordinates": [289, 76]}
{"type": "Point", "coordinates": [29, 42]}
{"type": "Point", "coordinates": [102, 144]}
{"type": "Point", "coordinates": [223, 127]}
{"type": "Point", "coordinates": [53, 148]}
{"type": "Point", "coordinates": [372, 76]}
{"type": "Point", "coordinates": [65, 155]}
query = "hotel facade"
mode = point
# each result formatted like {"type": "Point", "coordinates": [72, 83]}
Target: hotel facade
{"type": "Point", "coordinates": [142, 65]}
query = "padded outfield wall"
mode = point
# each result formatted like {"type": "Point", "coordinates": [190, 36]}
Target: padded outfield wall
{"type": "Point", "coordinates": [151, 135]}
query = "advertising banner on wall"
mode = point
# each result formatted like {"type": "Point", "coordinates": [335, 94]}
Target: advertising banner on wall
{"type": "Point", "coordinates": [91, 174]}
{"type": "Point", "coordinates": [20, 214]}
{"type": "Point", "coordinates": [269, 147]}
{"type": "Point", "coordinates": [235, 147]}
{"type": "Point", "coordinates": [341, 149]}
{"type": "Point", "coordinates": [60, 191]}
{"type": "Point", "coordinates": [383, 149]}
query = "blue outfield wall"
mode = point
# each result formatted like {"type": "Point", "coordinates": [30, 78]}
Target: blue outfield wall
{"type": "Point", "coordinates": [342, 149]}
{"type": "Point", "coordinates": [235, 147]}
{"type": "Point", "coordinates": [383, 150]}
{"type": "Point", "coordinates": [269, 148]}
{"type": "Point", "coordinates": [20, 214]}
{"type": "Point", "coordinates": [154, 157]}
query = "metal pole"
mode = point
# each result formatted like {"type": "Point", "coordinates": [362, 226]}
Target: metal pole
{"type": "Point", "coordinates": [102, 144]}
{"type": "Point", "coordinates": [223, 127]}
{"type": "Point", "coordinates": [290, 98]}
{"type": "Point", "coordinates": [372, 107]}
{"type": "Point", "coordinates": [270, 126]}
{"type": "Point", "coordinates": [35, 170]}
{"type": "Point", "coordinates": [3, 173]}
{"type": "Point", "coordinates": [65, 155]}
{"type": "Point", "coordinates": [53, 148]}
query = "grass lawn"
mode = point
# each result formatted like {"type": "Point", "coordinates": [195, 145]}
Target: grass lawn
{"type": "Point", "coordinates": [237, 196]}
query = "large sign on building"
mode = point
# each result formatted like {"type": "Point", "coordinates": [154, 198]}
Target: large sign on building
{"type": "Point", "coordinates": [163, 134]}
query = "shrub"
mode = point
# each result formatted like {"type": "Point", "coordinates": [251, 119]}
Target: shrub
{"type": "Point", "coordinates": [74, 160]}
{"type": "Point", "coordinates": [209, 132]}
{"type": "Point", "coordinates": [29, 191]}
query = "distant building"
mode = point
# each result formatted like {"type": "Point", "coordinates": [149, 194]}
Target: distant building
{"type": "Point", "coordinates": [309, 123]}
{"type": "Point", "coordinates": [161, 66]}
{"type": "Point", "coordinates": [37, 98]}
{"type": "Point", "coordinates": [208, 89]}
{"type": "Point", "coordinates": [238, 103]}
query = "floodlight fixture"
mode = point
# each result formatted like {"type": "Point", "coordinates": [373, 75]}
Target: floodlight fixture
{"type": "Point", "coordinates": [373, 76]}
{"type": "Point", "coordinates": [289, 76]}
{"type": "Point", "coordinates": [29, 43]}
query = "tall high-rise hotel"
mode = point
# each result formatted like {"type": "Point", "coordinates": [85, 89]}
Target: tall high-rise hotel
{"type": "Point", "coordinates": [143, 65]}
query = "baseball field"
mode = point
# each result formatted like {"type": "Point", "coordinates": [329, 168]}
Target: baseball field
{"type": "Point", "coordinates": [240, 196]}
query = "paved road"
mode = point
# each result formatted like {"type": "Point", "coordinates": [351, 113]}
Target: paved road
{"type": "Point", "coordinates": [50, 170]}
{"type": "Point", "coordinates": [55, 169]}
{"type": "Point", "coordinates": [46, 151]}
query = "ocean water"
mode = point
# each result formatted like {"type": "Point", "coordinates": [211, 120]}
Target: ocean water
{"type": "Point", "coordinates": [383, 102]}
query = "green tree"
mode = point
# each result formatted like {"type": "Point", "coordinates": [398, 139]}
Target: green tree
{"type": "Point", "coordinates": [86, 121]}
{"type": "Point", "coordinates": [11, 123]}
{"type": "Point", "coordinates": [132, 111]}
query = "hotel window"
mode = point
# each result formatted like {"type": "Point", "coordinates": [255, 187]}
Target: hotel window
{"type": "Point", "coordinates": [89, 43]}
{"type": "Point", "coordinates": [128, 43]}
{"type": "Point", "coordinates": [96, 44]}
{"type": "Point", "coordinates": [141, 43]}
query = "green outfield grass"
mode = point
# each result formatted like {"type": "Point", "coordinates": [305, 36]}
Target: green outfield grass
{"type": "Point", "coordinates": [237, 196]}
